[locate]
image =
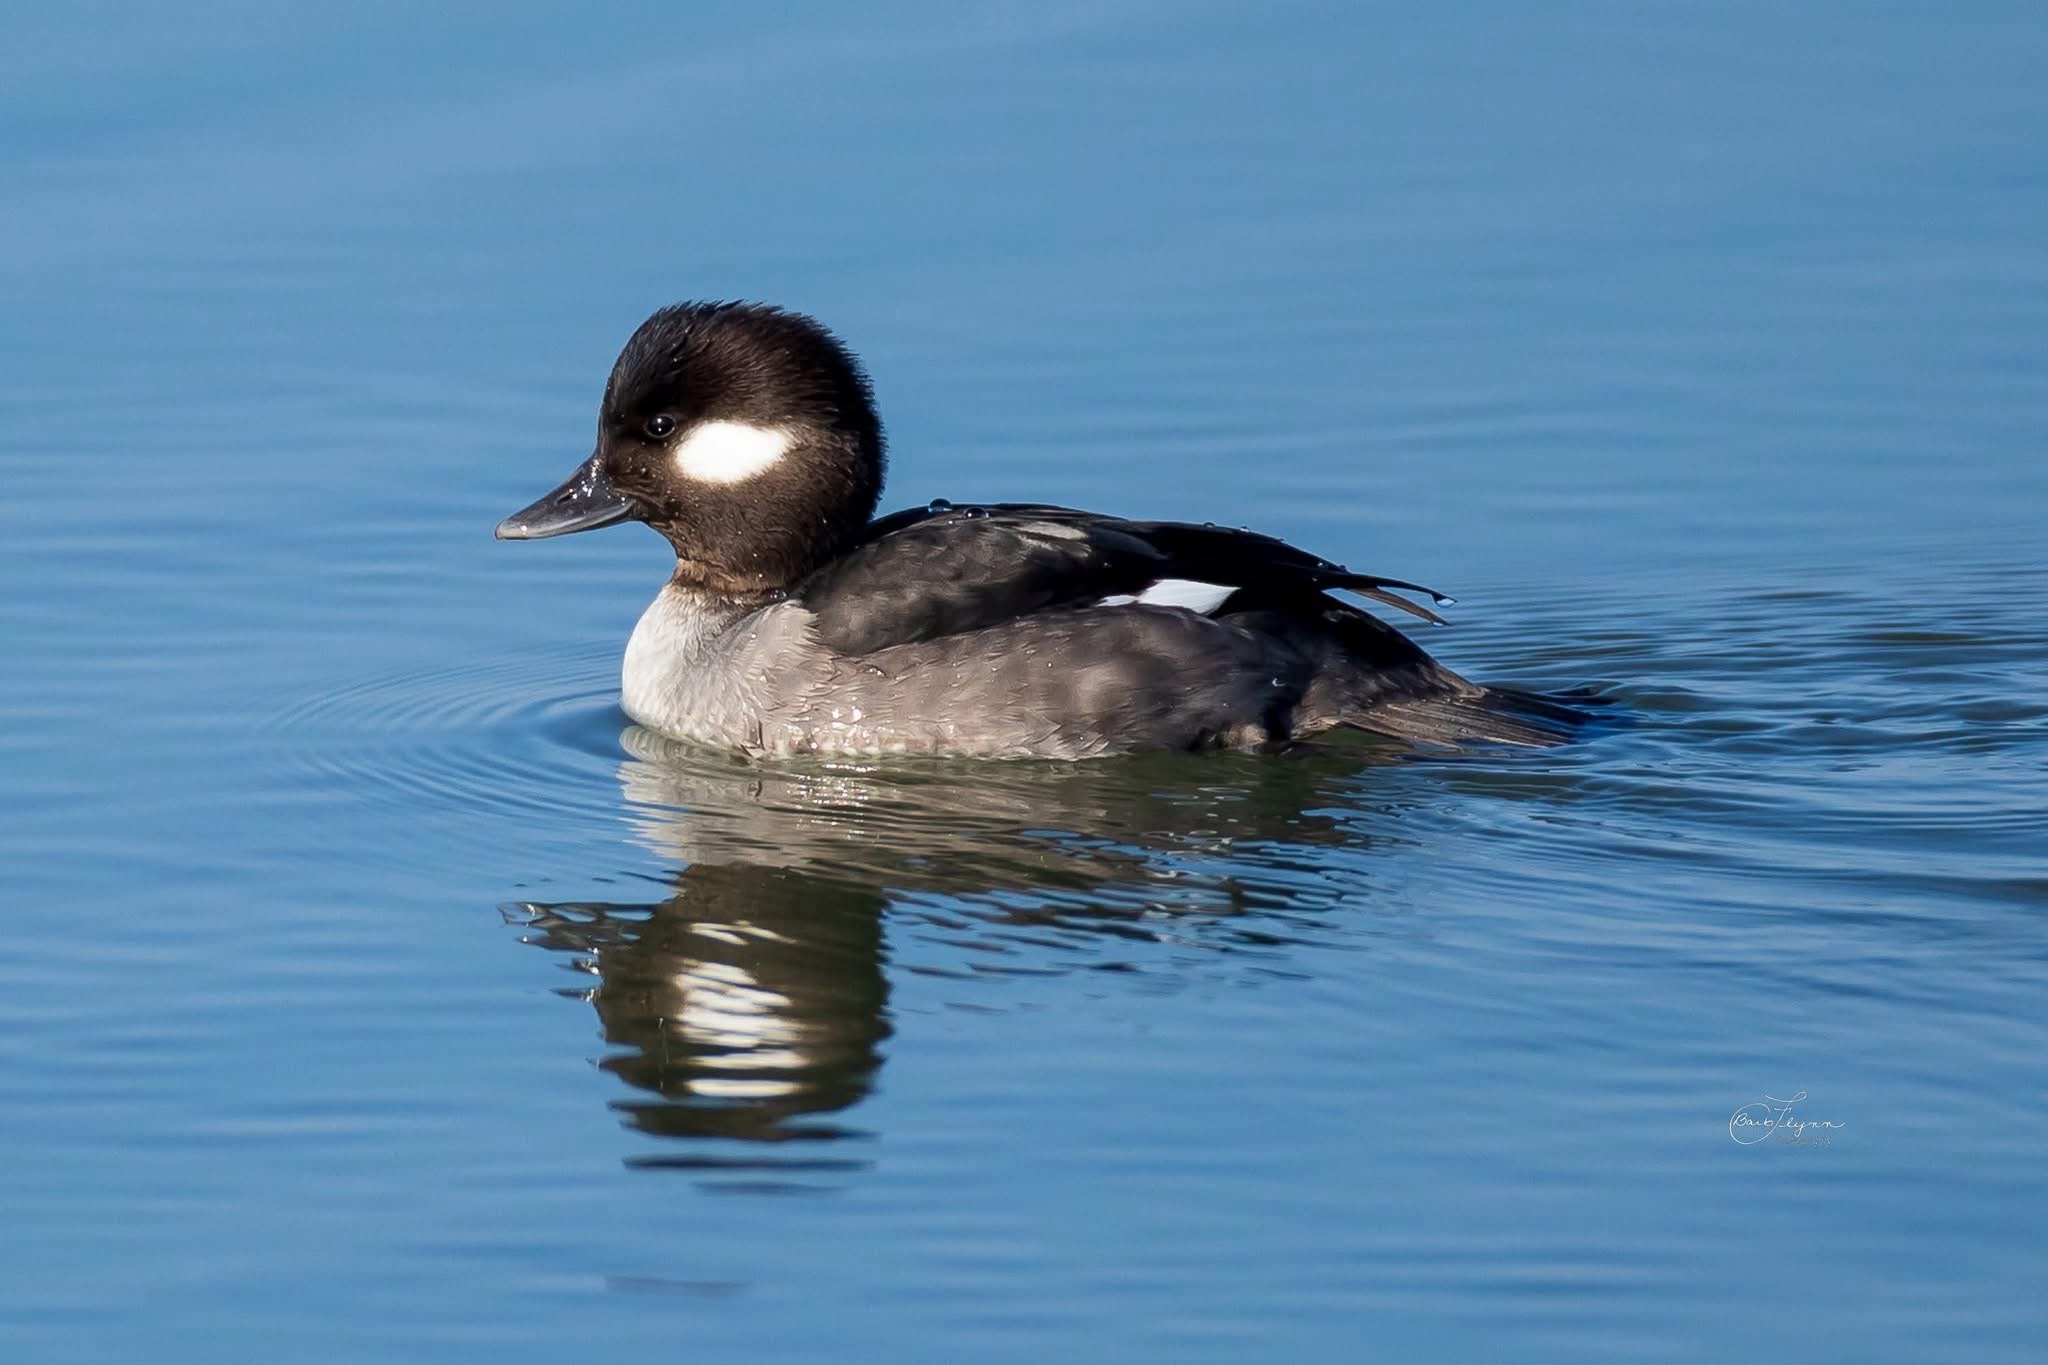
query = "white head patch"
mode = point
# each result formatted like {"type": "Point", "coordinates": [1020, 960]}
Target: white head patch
{"type": "Point", "coordinates": [728, 452]}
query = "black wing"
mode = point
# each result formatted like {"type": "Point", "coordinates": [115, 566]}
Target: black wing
{"type": "Point", "coordinates": [941, 570]}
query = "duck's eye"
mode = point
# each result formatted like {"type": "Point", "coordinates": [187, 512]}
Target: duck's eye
{"type": "Point", "coordinates": [660, 426]}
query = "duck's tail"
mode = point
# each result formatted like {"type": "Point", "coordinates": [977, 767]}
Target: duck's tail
{"type": "Point", "coordinates": [1473, 715]}
{"type": "Point", "coordinates": [1365, 675]}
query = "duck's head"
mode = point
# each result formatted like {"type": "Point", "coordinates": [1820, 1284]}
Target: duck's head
{"type": "Point", "coordinates": [745, 434]}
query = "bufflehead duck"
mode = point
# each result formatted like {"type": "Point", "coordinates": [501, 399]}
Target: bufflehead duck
{"type": "Point", "coordinates": [795, 623]}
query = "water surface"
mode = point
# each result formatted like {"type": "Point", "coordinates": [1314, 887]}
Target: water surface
{"type": "Point", "coordinates": [374, 990]}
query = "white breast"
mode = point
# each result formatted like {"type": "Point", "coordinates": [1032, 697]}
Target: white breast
{"type": "Point", "coordinates": [707, 668]}
{"type": "Point", "coordinates": [666, 658]}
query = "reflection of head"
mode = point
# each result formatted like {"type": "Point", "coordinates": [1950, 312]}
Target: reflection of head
{"type": "Point", "coordinates": [751, 997]}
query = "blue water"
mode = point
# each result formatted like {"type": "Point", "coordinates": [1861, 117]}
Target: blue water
{"type": "Point", "coordinates": [370, 991]}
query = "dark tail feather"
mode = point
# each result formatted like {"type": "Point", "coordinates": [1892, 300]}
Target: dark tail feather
{"type": "Point", "coordinates": [1484, 715]}
{"type": "Point", "coordinates": [1365, 675]}
{"type": "Point", "coordinates": [1376, 589]}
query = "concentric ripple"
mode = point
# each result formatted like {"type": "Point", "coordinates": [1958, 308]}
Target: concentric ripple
{"type": "Point", "coordinates": [497, 744]}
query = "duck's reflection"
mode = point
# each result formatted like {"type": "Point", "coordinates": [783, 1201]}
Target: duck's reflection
{"type": "Point", "coordinates": [752, 1002]}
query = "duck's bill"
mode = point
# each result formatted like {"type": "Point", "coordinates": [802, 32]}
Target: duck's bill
{"type": "Point", "coordinates": [586, 500]}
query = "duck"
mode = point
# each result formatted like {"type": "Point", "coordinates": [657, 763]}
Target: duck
{"type": "Point", "coordinates": [797, 622]}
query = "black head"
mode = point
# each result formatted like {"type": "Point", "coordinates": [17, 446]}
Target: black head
{"type": "Point", "coordinates": [744, 434]}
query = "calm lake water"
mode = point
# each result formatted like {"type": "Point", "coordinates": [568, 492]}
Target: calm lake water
{"type": "Point", "coordinates": [372, 992]}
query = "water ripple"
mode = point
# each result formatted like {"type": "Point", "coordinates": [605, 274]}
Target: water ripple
{"type": "Point", "coordinates": [529, 739]}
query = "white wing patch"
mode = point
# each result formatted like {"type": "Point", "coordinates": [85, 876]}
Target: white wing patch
{"type": "Point", "coordinates": [729, 452]}
{"type": "Point", "coordinates": [1200, 598]}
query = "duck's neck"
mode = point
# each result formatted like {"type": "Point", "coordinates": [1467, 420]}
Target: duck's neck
{"type": "Point", "coordinates": [682, 621]}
